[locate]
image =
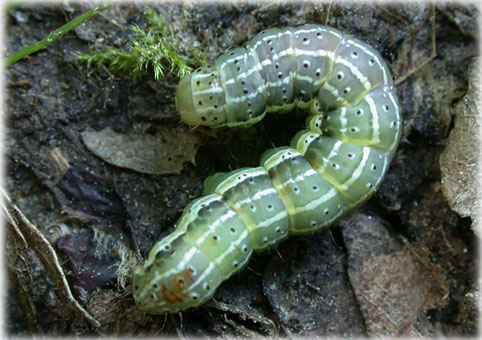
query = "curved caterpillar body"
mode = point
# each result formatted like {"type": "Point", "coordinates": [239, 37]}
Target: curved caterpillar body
{"type": "Point", "coordinates": [332, 167]}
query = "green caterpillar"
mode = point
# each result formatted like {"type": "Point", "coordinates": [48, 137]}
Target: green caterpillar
{"type": "Point", "coordinates": [331, 168]}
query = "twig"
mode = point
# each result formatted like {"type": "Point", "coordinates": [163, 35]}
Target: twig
{"type": "Point", "coordinates": [35, 240]}
{"type": "Point", "coordinates": [328, 12]}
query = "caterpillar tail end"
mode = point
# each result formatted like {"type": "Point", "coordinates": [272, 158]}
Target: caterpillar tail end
{"type": "Point", "coordinates": [184, 102]}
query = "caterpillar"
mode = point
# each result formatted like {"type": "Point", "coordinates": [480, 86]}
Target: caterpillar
{"type": "Point", "coordinates": [332, 166]}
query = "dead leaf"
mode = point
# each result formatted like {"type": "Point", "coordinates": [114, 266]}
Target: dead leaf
{"type": "Point", "coordinates": [460, 162]}
{"type": "Point", "coordinates": [160, 154]}
{"type": "Point", "coordinates": [393, 288]}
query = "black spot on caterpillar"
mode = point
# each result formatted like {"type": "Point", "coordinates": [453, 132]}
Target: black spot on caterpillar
{"type": "Point", "coordinates": [331, 168]}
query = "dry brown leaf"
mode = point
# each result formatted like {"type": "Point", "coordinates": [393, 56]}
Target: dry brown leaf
{"type": "Point", "coordinates": [160, 154]}
{"type": "Point", "coordinates": [393, 290]}
{"type": "Point", "coordinates": [394, 284]}
{"type": "Point", "coordinates": [460, 161]}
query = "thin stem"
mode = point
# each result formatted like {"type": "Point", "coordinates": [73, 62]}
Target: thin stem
{"type": "Point", "coordinates": [54, 35]}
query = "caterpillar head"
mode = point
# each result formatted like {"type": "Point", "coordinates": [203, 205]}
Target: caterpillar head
{"type": "Point", "coordinates": [169, 281]}
{"type": "Point", "coordinates": [200, 99]}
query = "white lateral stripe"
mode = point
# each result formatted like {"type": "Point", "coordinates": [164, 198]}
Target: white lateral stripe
{"type": "Point", "coordinates": [275, 159]}
{"type": "Point", "coordinates": [318, 53]}
{"type": "Point", "coordinates": [375, 123]}
{"type": "Point", "coordinates": [209, 90]}
{"type": "Point", "coordinates": [375, 57]}
{"type": "Point", "coordinates": [333, 91]}
{"type": "Point", "coordinates": [259, 195]}
{"type": "Point", "coordinates": [232, 181]}
{"type": "Point", "coordinates": [216, 262]}
{"type": "Point", "coordinates": [266, 223]}
{"type": "Point", "coordinates": [306, 174]}
{"type": "Point", "coordinates": [308, 79]}
{"type": "Point", "coordinates": [316, 203]}
{"type": "Point", "coordinates": [353, 69]}
{"type": "Point", "coordinates": [358, 171]}
{"type": "Point", "coordinates": [214, 225]}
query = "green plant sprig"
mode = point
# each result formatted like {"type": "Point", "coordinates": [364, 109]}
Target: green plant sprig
{"type": "Point", "coordinates": [155, 48]}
